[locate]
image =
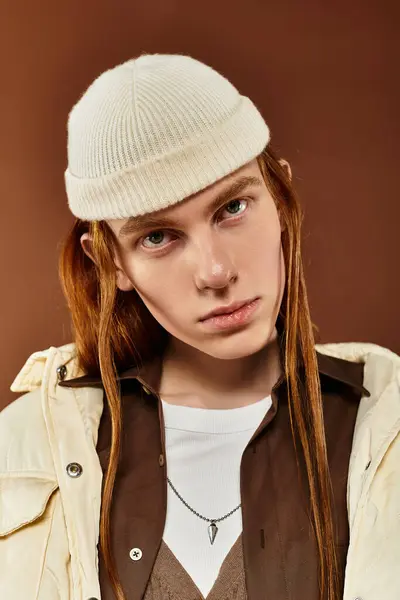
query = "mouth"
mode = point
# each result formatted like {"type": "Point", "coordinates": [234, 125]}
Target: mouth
{"type": "Point", "coordinates": [227, 309]}
{"type": "Point", "coordinates": [239, 318]}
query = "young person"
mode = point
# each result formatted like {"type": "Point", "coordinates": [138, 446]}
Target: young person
{"type": "Point", "coordinates": [211, 457]}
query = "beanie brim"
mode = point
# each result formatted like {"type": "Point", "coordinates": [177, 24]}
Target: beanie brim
{"type": "Point", "coordinates": [152, 186]}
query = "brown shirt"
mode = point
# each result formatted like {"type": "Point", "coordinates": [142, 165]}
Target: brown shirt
{"type": "Point", "coordinates": [276, 552]}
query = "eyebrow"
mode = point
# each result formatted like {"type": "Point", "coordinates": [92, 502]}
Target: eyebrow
{"type": "Point", "coordinates": [140, 222]}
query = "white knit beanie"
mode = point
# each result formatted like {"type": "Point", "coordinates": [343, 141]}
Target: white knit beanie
{"type": "Point", "coordinates": [152, 131]}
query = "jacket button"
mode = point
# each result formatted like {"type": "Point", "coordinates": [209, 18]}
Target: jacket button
{"type": "Point", "coordinates": [74, 470]}
{"type": "Point", "coordinates": [146, 390]}
{"type": "Point", "coordinates": [136, 554]}
{"type": "Point", "coordinates": [161, 460]}
{"type": "Point", "coordinates": [61, 372]}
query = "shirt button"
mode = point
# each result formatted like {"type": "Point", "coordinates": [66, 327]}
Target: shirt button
{"type": "Point", "coordinates": [136, 554]}
{"type": "Point", "coordinates": [74, 470]}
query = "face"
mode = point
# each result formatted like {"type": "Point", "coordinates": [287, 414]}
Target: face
{"type": "Point", "coordinates": [209, 255]}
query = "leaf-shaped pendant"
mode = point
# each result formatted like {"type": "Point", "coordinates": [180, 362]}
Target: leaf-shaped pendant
{"type": "Point", "coordinates": [212, 532]}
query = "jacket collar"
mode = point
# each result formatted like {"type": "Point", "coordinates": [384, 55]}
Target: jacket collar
{"type": "Point", "coordinates": [149, 375]}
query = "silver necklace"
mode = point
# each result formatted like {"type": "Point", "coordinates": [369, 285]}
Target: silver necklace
{"type": "Point", "coordinates": [212, 528]}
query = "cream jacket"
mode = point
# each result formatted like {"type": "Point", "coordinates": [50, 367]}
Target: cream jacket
{"type": "Point", "coordinates": [49, 520]}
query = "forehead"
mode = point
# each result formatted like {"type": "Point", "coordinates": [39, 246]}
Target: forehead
{"type": "Point", "coordinates": [206, 201]}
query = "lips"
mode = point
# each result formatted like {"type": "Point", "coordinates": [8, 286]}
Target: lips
{"type": "Point", "coordinates": [226, 310]}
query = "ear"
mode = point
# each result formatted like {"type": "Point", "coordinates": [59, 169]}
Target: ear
{"type": "Point", "coordinates": [123, 281]}
{"type": "Point", "coordinates": [284, 163]}
{"type": "Point", "coordinates": [86, 243]}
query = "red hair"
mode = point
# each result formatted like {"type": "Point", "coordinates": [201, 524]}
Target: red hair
{"type": "Point", "coordinates": [113, 329]}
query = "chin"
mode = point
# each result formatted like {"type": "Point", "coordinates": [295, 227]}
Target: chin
{"type": "Point", "coordinates": [238, 344]}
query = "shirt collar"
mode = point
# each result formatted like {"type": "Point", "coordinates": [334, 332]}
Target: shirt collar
{"type": "Point", "coordinates": [149, 375]}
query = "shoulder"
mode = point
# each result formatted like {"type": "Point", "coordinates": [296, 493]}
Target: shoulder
{"type": "Point", "coordinates": [26, 425]}
{"type": "Point", "coordinates": [381, 365]}
{"type": "Point", "coordinates": [357, 351]}
{"type": "Point", "coordinates": [24, 440]}
{"type": "Point", "coordinates": [24, 444]}
{"type": "Point", "coordinates": [361, 352]}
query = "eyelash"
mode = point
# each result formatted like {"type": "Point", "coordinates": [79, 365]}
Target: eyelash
{"type": "Point", "coordinates": [235, 218]}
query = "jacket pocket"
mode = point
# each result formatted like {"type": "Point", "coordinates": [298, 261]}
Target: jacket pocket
{"type": "Point", "coordinates": [27, 502]}
{"type": "Point", "coordinates": [23, 499]}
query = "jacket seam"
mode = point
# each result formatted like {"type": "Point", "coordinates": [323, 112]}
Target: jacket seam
{"type": "Point", "coordinates": [49, 476]}
{"type": "Point", "coordinates": [82, 412]}
{"type": "Point", "coordinates": [45, 554]}
{"type": "Point", "coordinates": [52, 574]}
{"type": "Point", "coordinates": [89, 444]}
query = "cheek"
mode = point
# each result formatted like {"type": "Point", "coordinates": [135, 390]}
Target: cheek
{"type": "Point", "coordinates": [161, 298]}
{"type": "Point", "coordinates": [261, 254]}
{"type": "Point", "coordinates": [269, 274]}
{"type": "Point", "coordinates": [151, 280]}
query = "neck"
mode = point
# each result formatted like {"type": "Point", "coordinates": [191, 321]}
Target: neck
{"type": "Point", "coordinates": [192, 378]}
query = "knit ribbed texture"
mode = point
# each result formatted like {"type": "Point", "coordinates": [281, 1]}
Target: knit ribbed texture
{"type": "Point", "coordinates": [154, 130]}
{"type": "Point", "coordinates": [170, 581]}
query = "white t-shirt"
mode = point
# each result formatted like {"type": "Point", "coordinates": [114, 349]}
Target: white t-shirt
{"type": "Point", "coordinates": [204, 448]}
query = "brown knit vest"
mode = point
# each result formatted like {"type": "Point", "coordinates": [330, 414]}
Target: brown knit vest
{"type": "Point", "coordinates": [170, 581]}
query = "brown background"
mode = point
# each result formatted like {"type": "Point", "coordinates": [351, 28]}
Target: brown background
{"type": "Point", "coordinates": [324, 74]}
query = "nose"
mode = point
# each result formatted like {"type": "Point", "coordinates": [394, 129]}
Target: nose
{"type": "Point", "coordinates": [213, 262]}
{"type": "Point", "coordinates": [215, 272]}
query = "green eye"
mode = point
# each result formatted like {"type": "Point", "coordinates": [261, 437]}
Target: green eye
{"type": "Point", "coordinates": [237, 202]}
{"type": "Point", "coordinates": [157, 236]}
